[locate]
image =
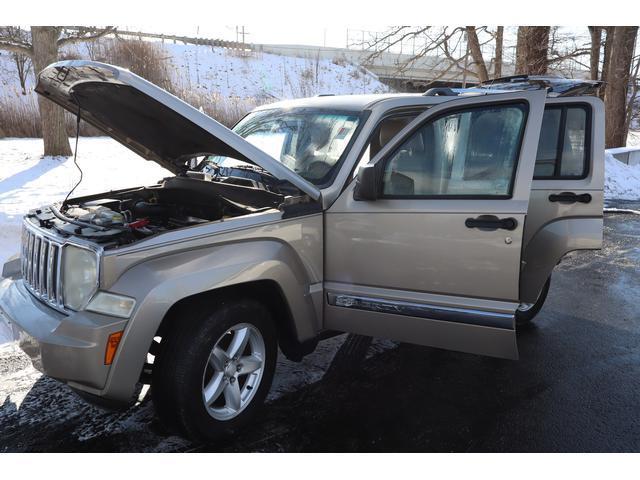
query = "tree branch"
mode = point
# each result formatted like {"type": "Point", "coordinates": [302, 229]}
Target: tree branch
{"type": "Point", "coordinates": [83, 37]}
{"type": "Point", "coordinates": [16, 48]}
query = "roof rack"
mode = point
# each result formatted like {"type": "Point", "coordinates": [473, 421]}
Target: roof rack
{"type": "Point", "coordinates": [554, 85]}
{"type": "Point", "coordinates": [440, 92]}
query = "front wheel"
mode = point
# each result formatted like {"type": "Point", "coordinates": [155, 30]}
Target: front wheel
{"type": "Point", "coordinates": [526, 312]}
{"type": "Point", "coordinates": [214, 369]}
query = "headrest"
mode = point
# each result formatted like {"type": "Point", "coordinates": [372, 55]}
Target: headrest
{"type": "Point", "coordinates": [390, 129]}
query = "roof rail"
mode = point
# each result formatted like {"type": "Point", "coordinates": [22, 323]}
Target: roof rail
{"type": "Point", "coordinates": [440, 92]}
{"type": "Point", "coordinates": [555, 86]}
{"type": "Point", "coordinates": [508, 79]}
{"type": "Point", "coordinates": [326, 95]}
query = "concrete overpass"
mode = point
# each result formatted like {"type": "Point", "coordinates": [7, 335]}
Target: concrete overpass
{"type": "Point", "coordinates": [401, 71]}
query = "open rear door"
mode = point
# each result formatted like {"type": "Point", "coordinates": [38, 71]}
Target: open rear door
{"type": "Point", "coordinates": [435, 259]}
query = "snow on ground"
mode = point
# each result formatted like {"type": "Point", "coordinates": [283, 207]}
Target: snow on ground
{"type": "Point", "coordinates": [255, 74]}
{"type": "Point", "coordinates": [622, 181]}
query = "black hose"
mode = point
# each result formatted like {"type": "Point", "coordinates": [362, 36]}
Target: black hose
{"type": "Point", "coordinates": [75, 155]}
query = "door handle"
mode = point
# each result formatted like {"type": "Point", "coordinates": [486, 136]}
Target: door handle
{"type": "Point", "coordinates": [491, 222]}
{"type": "Point", "coordinates": [570, 197]}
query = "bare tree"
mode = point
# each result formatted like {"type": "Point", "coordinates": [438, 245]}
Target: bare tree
{"type": "Point", "coordinates": [617, 88]}
{"type": "Point", "coordinates": [532, 50]}
{"type": "Point", "coordinates": [594, 55]}
{"type": "Point", "coordinates": [632, 112]}
{"type": "Point", "coordinates": [21, 61]}
{"type": "Point", "coordinates": [476, 54]}
{"type": "Point", "coordinates": [447, 49]}
{"type": "Point", "coordinates": [43, 49]}
{"type": "Point", "coordinates": [497, 68]}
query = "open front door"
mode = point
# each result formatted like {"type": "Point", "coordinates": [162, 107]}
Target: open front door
{"type": "Point", "coordinates": [435, 258]}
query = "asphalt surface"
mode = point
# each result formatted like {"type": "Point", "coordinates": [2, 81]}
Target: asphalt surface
{"type": "Point", "coordinates": [575, 388]}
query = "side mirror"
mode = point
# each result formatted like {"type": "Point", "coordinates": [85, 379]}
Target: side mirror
{"type": "Point", "coordinates": [366, 183]}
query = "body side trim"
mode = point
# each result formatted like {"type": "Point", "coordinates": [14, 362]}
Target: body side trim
{"type": "Point", "coordinates": [433, 312]}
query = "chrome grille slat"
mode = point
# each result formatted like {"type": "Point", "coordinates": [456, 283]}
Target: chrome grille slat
{"type": "Point", "coordinates": [41, 266]}
{"type": "Point", "coordinates": [42, 288]}
{"type": "Point", "coordinates": [36, 262]}
{"type": "Point", "coordinates": [50, 294]}
{"type": "Point", "coordinates": [59, 298]}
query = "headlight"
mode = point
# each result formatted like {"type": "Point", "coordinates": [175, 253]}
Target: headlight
{"type": "Point", "coordinates": [79, 276]}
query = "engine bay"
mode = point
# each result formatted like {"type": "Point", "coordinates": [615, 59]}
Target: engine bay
{"type": "Point", "coordinates": [122, 217]}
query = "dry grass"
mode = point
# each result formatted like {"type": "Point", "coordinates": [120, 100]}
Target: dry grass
{"type": "Point", "coordinates": [19, 117]}
{"type": "Point", "coordinates": [147, 59]}
{"type": "Point", "coordinates": [226, 110]}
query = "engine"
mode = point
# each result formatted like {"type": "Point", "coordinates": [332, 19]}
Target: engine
{"type": "Point", "coordinates": [126, 216]}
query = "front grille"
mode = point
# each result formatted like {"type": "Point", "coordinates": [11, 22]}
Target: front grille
{"type": "Point", "coordinates": [41, 265]}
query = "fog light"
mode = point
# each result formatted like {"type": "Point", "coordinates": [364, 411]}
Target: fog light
{"type": "Point", "coordinates": [112, 346]}
{"type": "Point", "coordinates": [111, 304]}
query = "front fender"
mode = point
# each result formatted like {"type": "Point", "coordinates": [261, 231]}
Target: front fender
{"type": "Point", "coordinates": [159, 283]}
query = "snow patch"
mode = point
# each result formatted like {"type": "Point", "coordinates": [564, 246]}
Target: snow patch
{"type": "Point", "coordinates": [621, 181]}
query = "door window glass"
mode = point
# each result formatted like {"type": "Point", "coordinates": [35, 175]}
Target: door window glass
{"type": "Point", "coordinates": [573, 155]}
{"type": "Point", "coordinates": [548, 144]}
{"type": "Point", "coordinates": [562, 149]}
{"type": "Point", "coordinates": [467, 153]}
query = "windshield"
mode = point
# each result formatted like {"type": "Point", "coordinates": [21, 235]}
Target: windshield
{"type": "Point", "coordinates": [309, 142]}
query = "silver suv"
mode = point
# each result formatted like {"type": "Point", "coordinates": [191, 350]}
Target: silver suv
{"type": "Point", "coordinates": [434, 219]}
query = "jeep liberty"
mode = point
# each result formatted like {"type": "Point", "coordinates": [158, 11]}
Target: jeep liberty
{"type": "Point", "coordinates": [434, 219]}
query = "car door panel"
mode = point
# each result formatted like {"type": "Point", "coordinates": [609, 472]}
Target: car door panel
{"type": "Point", "coordinates": [442, 270]}
{"type": "Point", "coordinates": [556, 223]}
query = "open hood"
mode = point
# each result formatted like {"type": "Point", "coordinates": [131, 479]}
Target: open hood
{"type": "Point", "coordinates": [149, 120]}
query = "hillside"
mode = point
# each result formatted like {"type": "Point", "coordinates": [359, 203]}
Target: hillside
{"type": "Point", "coordinates": [221, 81]}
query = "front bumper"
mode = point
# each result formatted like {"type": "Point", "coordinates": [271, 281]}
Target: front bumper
{"type": "Point", "coordinates": [69, 348]}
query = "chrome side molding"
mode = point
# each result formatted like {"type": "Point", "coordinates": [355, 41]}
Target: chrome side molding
{"type": "Point", "coordinates": [433, 312]}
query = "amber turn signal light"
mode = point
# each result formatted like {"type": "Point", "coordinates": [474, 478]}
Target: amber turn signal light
{"type": "Point", "coordinates": [112, 346]}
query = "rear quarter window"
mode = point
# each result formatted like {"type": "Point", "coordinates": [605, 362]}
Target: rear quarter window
{"type": "Point", "coordinates": [564, 143]}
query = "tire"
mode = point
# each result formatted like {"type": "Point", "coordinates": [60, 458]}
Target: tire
{"type": "Point", "coordinates": [525, 315]}
{"type": "Point", "coordinates": [189, 372]}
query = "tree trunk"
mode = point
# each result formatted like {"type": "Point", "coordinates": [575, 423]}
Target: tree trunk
{"type": "Point", "coordinates": [531, 50]}
{"type": "Point", "coordinates": [596, 39]}
{"type": "Point", "coordinates": [497, 72]}
{"type": "Point", "coordinates": [615, 96]}
{"type": "Point", "coordinates": [476, 54]}
{"type": "Point", "coordinates": [45, 52]}
{"type": "Point", "coordinates": [607, 58]}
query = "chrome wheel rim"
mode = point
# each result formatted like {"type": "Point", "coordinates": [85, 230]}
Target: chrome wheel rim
{"type": "Point", "coordinates": [233, 371]}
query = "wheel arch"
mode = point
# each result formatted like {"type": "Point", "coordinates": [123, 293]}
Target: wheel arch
{"type": "Point", "coordinates": [267, 292]}
{"type": "Point", "coordinates": [549, 244]}
{"type": "Point", "coordinates": [266, 268]}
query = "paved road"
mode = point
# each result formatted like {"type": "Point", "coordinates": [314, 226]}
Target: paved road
{"type": "Point", "coordinates": [575, 388]}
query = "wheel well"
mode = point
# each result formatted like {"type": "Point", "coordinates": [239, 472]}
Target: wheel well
{"type": "Point", "coordinates": [268, 293]}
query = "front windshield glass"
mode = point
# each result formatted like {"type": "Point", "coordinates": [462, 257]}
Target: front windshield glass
{"type": "Point", "coordinates": [309, 142]}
